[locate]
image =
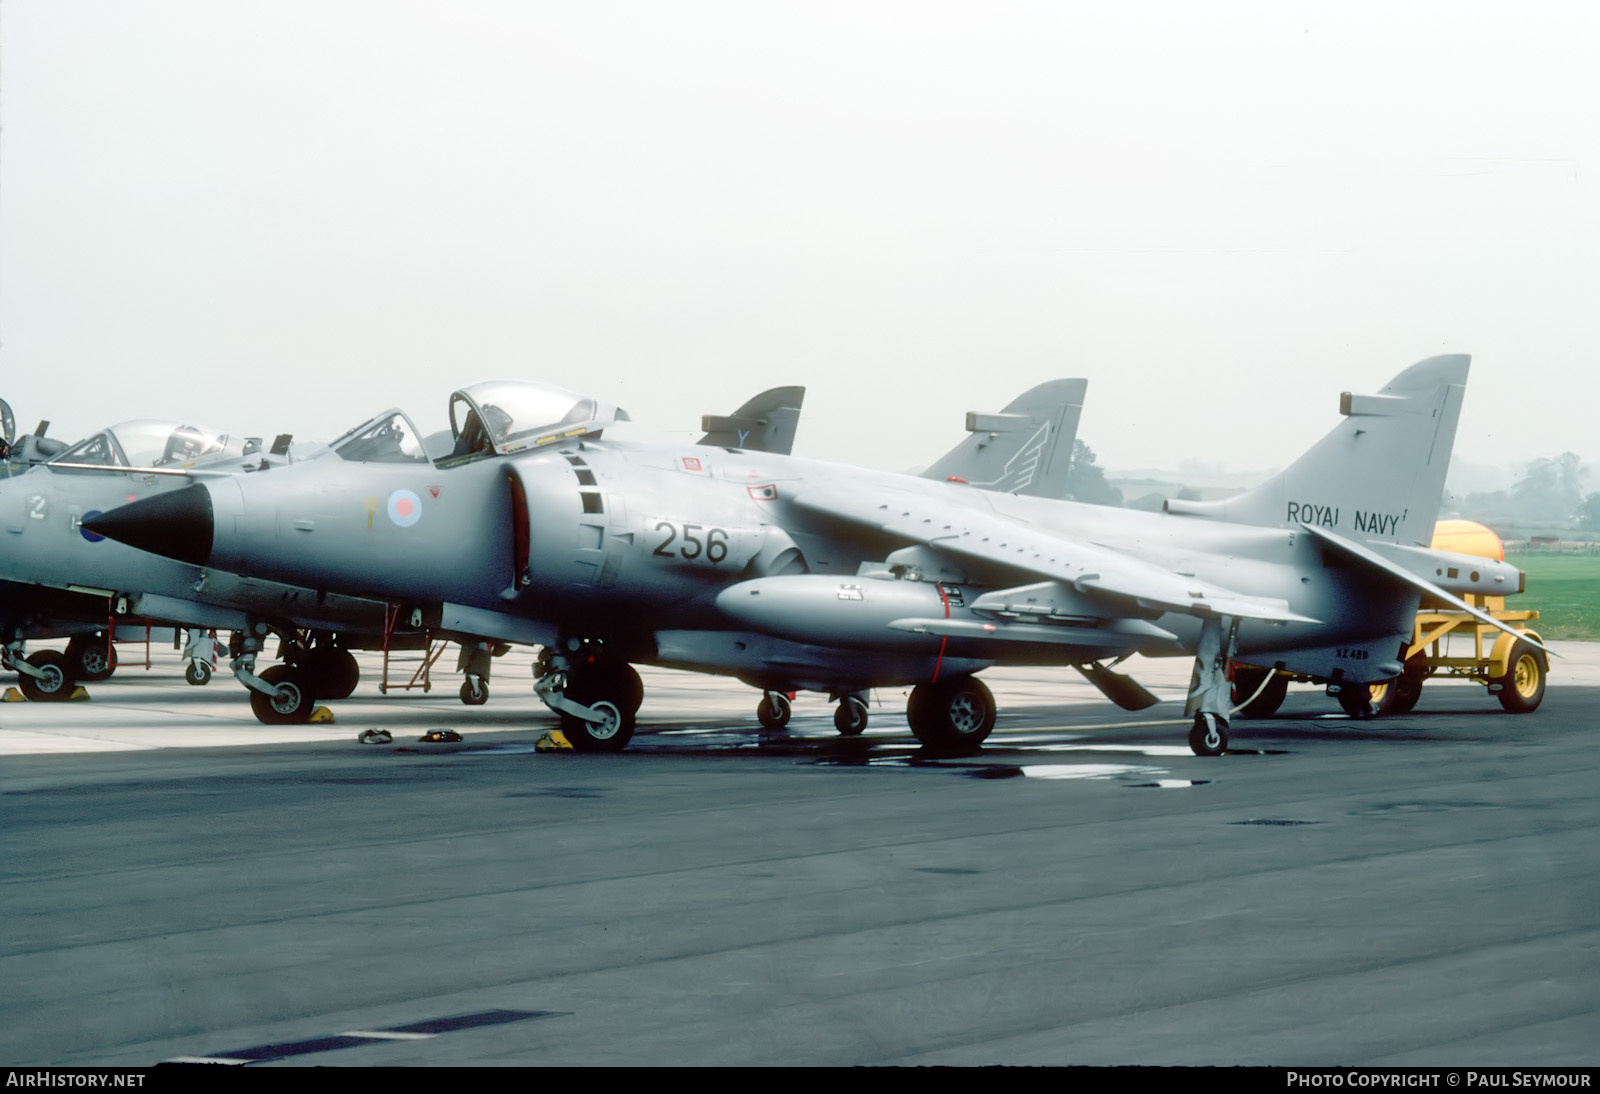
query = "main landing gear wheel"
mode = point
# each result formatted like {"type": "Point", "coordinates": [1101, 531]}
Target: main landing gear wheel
{"type": "Point", "coordinates": [774, 710]}
{"type": "Point", "coordinates": [475, 691]}
{"type": "Point", "coordinates": [334, 671]}
{"type": "Point", "coordinates": [1522, 687]}
{"type": "Point", "coordinates": [612, 690]}
{"type": "Point", "coordinates": [1246, 681]}
{"type": "Point", "coordinates": [1209, 737]}
{"type": "Point", "coordinates": [92, 658]}
{"type": "Point", "coordinates": [1400, 695]}
{"type": "Point", "coordinates": [850, 716]}
{"type": "Point", "coordinates": [958, 712]}
{"type": "Point", "coordinates": [1358, 701]}
{"type": "Point", "coordinates": [198, 673]}
{"type": "Point", "coordinates": [293, 702]}
{"type": "Point", "coordinates": [56, 683]}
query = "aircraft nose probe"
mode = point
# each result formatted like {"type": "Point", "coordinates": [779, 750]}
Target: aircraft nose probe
{"type": "Point", "coordinates": [176, 525]}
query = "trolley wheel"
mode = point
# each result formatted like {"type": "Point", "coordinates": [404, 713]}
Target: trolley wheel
{"type": "Point", "coordinates": [198, 673]}
{"type": "Point", "coordinates": [1522, 687]}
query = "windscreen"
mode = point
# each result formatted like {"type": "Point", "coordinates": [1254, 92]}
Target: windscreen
{"type": "Point", "coordinates": [389, 439]}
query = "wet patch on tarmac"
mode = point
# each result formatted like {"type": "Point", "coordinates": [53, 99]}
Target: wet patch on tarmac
{"type": "Point", "coordinates": [1274, 822]}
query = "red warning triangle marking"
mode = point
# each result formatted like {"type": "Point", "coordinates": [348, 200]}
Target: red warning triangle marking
{"type": "Point", "coordinates": [434, 490]}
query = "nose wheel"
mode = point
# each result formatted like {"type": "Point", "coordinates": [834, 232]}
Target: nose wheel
{"type": "Point", "coordinates": [51, 679]}
{"type": "Point", "coordinates": [292, 701]}
{"type": "Point", "coordinates": [597, 703]}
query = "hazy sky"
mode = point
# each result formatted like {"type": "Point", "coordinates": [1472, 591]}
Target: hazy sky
{"type": "Point", "coordinates": [287, 216]}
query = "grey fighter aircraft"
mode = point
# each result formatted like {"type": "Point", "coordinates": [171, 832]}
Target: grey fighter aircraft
{"type": "Point", "coordinates": [544, 527]}
{"type": "Point", "coordinates": [56, 580]}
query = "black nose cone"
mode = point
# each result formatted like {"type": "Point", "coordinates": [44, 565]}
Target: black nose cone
{"type": "Point", "coordinates": [176, 524]}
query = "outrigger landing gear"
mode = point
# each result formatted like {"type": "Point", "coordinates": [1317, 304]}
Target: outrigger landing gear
{"type": "Point", "coordinates": [850, 716]}
{"type": "Point", "coordinates": [1210, 694]}
{"type": "Point", "coordinates": [774, 710]}
{"type": "Point", "coordinates": [596, 695]}
{"type": "Point", "coordinates": [474, 664]}
{"type": "Point", "coordinates": [201, 650]}
{"type": "Point", "coordinates": [957, 712]}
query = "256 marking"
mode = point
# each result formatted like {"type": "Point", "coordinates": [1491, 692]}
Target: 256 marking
{"type": "Point", "coordinates": [713, 548]}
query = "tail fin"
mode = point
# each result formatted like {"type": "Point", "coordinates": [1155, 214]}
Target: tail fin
{"type": "Point", "coordinates": [1379, 473]}
{"type": "Point", "coordinates": [766, 423]}
{"type": "Point", "coordinates": [1025, 449]}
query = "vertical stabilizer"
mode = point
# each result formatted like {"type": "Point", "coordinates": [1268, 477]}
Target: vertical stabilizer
{"type": "Point", "coordinates": [767, 423]}
{"type": "Point", "coordinates": [1025, 449]}
{"type": "Point", "coordinates": [1378, 475]}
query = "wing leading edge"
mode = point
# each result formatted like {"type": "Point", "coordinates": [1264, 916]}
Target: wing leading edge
{"type": "Point", "coordinates": [992, 542]}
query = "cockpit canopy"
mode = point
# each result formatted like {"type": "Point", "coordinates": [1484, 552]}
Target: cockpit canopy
{"type": "Point", "coordinates": [494, 418]}
{"type": "Point", "coordinates": [150, 442]}
{"type": "Point", "coordinates": [505, 416]}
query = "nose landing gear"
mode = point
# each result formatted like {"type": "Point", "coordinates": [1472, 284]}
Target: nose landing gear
{"type": "Point", "coordinates": [596, 695]}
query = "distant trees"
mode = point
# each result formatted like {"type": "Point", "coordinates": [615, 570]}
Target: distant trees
{"type": "Point", "coordinates": [1086, 481]}
{"type": "Point", "coordinates": [1549, 493]}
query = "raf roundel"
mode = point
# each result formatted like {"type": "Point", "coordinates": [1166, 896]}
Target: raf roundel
{"type": "Point", "coordinates": [405, 508]}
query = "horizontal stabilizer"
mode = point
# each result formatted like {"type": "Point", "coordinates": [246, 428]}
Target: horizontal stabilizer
{"type": "Point", "coordinates": [1122, 690]}
{"type": "Point", "coordinates": [1416, 581]}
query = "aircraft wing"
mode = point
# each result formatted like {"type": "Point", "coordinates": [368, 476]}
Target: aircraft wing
{"type": "Point", "coordinates": [986, 540]}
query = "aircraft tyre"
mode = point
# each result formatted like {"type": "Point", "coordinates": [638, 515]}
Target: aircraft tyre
{"type": "Point", "coordinates": [774, 710]}
{"type": "Point", "coordinates": [1357, 701]}
{"type": "Point", "coordinates": [93, 658]}
{"type": "Point", "coordinates": [1209, 736]}
{"type": "Point", "coordinates": [1399, 696]}
{"type": "Point", "coordinates": [333, 671]}
{"type": "Point", "coordinates": [1266, 704]}
{"type": "Point", "coordinates": [954, 712]}
{"type": "Point", "coordinates": [1522, 687]}
{"type": "Point", "coordinates": [475, 691]}
{"type": "Point", "coordinates": [57, 682]}
{"type": "Point", "coordinates": [615, 691]}
{"type": "Point", "coordinates": [850, 716]}
{"type": "Point", "coordinates": [198, 673]}
{"type": "Point", "coordinates": [293, 703]}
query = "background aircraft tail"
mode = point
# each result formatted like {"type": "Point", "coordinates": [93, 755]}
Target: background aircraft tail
{"type": "Point", "coordinates": [1025, 449]}
{"type": "Point", "coordinates": [1378, 475]}
{"type": "Point", "coordinates": [766, 423]}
